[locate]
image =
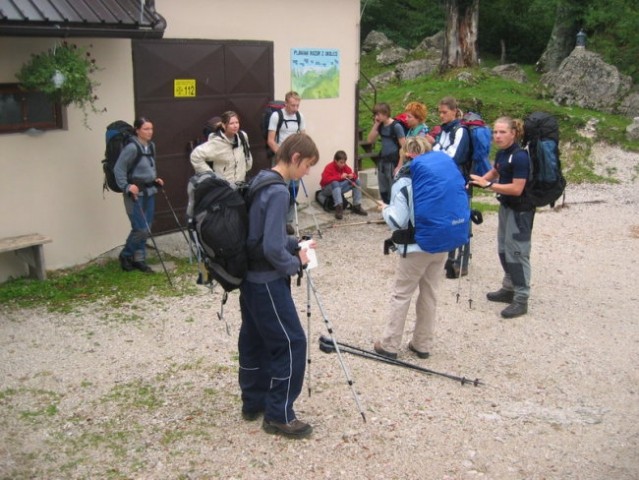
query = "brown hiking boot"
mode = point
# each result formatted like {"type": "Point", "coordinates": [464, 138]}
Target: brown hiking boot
{"type": "Point", "coordinates": [293, 429]}
{"type": "Point", "coordinates": [339, 211]}
{"type": "Point", "coordinates": [358, 210]}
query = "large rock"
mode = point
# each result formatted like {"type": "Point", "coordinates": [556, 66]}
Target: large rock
{"type": "Point", "coordinates": [632, 130]}
{"type": "Point", "coordinates": [414, 69]}
{"type": "Point", "coordinates": [434, 43]}
{"type": "Point", "coordinates": [391, 55]}
{"type": "Point", "coordinates": [511, 71]}
{"type": "Point", "coordinates": [585, 80]}
{"type": "Point", "coordinates": [380, 80]}
{"type": "Point", "coordinates": [376, 41]}
{"type": "Point", "coordinates": [629, 105]}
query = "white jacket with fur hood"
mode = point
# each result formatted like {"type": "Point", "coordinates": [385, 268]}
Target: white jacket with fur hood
{"type": "Point", "coordinates": [229, 159]}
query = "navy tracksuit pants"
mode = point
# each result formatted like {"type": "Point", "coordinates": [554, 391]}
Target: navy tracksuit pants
{"type": "Point", "coordinates": [272, 347]}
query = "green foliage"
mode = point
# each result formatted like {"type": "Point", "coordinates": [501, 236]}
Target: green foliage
{"type": "Point", "coordinates": [612, 28]}
{"type": "Point", "coordinates": [71, 66]}
{"type": "Point", "coordinates": [405, 22]}
{"type": "Point", "coordinates": [524, 27]}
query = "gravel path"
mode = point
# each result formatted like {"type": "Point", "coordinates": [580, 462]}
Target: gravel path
{"type": "Point", "coordinates": [150, 391]}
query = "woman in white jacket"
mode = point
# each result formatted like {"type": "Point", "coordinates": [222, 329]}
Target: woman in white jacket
{"type": "Point", "coordinates": [227, 151]}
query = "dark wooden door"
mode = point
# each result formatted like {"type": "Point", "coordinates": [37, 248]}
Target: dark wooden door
{"type": "Point", "coordinates": [228, 75]}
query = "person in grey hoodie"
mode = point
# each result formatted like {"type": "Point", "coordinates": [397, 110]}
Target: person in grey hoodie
{"type": "Point", "coordinates": [136, 174]}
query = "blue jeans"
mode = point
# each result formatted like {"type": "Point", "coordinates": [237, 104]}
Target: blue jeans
{"type": "Point", "coordinates": [272, 347]}
{"type": "Point", "coordinates": [140, 214]}
{"type": "Point", "coordinates": [337, 189]}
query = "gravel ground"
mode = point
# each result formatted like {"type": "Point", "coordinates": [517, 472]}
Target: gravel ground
{"type": "Point", "coordinates": [150, 391]}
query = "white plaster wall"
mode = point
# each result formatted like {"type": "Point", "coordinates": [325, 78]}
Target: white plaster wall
{"type": "Point", "coordinates": [52, 183]}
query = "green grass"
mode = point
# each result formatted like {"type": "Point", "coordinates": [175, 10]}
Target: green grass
{"type": "Point", "coordinates": [66, 289]}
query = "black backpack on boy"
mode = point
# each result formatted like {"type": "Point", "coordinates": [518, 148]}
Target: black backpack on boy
{"type": "Point", "coordinates": [220, 223]}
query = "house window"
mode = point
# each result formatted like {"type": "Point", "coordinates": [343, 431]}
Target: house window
{"type": "Point", "coordinates": [20, 110]}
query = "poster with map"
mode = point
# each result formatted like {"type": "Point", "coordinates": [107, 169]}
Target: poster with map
{"type": "Point", "coordinates": [315, 72]}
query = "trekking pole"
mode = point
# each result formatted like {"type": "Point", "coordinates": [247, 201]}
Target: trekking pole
{"type": "Point", "coordinates": [368, 222]}
{"type": "Point", "coordinates": [328, 345]}
{"type": "Point", "coordinates": [220, 314]}
{"type": "Point", "coordinates": [308, 332]}
{"type": "Point", "coordinates": [308, 200]}
{"type": "Point", "coordinates": [177, 221]}
{"type": "Point", "coordinates": [297, 225]}
{"type": "Point", "coordinates": [354, 184]}
{"type": "Point", "coordinates": [155, 245]}
{"type": "Point", "coordinates": [337, 350]}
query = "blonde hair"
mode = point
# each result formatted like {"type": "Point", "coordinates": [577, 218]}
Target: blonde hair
{"type": "Point", "coordinates": [416, 146]}
{"type": "Point", "coordinates": [514, 124]}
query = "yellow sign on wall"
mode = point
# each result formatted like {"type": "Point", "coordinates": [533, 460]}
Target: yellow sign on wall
{"type": "Point", "coordinates": [184, 87]}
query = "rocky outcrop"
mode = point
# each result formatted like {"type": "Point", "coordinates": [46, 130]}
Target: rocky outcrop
{"type": "Point", "coordinates": [433, 45]}
{"type": "Point", "coordinates": [629, 106]}
{"type": "Point", "coordinates": [414, 69]}
{"type": "Point", "coordinates": [376, 41]}
{"type": "Point", "coordinates": [585, 80]}
{"type": "Point", "coordinates": [391, 56]}
{"type": "Point", "coordinates": [511, 71]}
{"type": "Point", "coordinates": [632, 130]}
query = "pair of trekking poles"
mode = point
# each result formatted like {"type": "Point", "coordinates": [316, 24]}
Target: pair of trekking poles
{"type": "Point", "coordinates": [150, 233]}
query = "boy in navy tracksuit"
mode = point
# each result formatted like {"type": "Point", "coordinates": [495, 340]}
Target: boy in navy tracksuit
{"type": "Point", "coordinates": [272, 342]}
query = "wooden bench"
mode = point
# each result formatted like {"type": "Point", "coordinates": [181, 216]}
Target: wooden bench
{"type": "Point", "coordinates": [28, 248]}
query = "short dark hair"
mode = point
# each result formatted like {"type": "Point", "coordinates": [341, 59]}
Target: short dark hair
{"type": "Point", "coordinates": [340, 155]}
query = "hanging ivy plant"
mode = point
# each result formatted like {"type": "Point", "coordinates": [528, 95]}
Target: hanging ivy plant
{"type": "Point", "coordinates": [64, 74]}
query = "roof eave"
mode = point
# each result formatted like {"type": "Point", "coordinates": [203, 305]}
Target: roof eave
{"type": "Point", "coordinates": [66, 31]}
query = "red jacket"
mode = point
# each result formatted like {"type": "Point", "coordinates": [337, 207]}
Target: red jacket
{"type": "Point", "coordinates": [333, 172]}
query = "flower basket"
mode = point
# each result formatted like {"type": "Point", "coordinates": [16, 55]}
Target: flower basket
{"type": "Point", "coordinates": [63, 74]}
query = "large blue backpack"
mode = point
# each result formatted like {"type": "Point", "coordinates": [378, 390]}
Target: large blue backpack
{"type": "Point", "coordinates": [440, 203]}
{"type": "Point", "coordinates": [480, 140]}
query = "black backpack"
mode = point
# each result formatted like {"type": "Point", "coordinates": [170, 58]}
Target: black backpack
{"type": "Point", "coordinates": [397, 120]}
{"type": "Point", "coordinates": [118, 135]}
{"type": "Point", "coordinates": [541, 138]}
{"type": "Point", "coordinates": [220, 221]}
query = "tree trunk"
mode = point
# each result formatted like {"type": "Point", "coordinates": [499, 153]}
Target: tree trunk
{"type": "Point", "coordinates": [562, 38]}
{"type": "Point", "coordinates": [460, 41]}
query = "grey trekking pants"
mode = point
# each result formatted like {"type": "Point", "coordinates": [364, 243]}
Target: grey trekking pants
{"type": "Point", "coordinates": [513, 245]}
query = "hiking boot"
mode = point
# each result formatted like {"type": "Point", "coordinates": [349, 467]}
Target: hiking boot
{"type": "Point", "coordinates": [339, 212]}
{"type": "Point", "coordinates": [378, 348]}
{"type": "Point", "coordinates": [142, 266]}
{"type": "Point", "coordinates": [422, 355]}
{"type": "Point", "coordinates": [358, 210]}
{"type": "Point", "coordinates": [452, 271]}
{"type": "Point", "coordinates": [125, 262]}
{"type": "Point", "coordinates": [515, 309]}
{"type": "Point", "coordinates": [293, 429]}
{"type": "Point", "coordinates": [502, 295]}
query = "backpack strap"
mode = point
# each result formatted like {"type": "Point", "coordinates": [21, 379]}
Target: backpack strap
{"type": "Point", "coordinates": [393, 133]}
{"type": "Point", "coordinates": [281, 120]}
{"type": "Point", "coordinates": [245, 146]}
